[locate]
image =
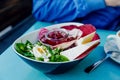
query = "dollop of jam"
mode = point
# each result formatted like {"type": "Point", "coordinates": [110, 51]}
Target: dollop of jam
{"type": "Point", "coordinates": [56, 36]}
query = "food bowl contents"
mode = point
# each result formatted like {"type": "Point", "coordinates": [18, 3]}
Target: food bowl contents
{"type": "Point", "coordinates": [59, 37]}
{"type": "Point", "coordinates": [77, 51]}
{"type": "Point", "coordinates": [40, 52]}
{"type": "Point", "coordinates": [88, 32]}
{"type": "Point", "coordinates": [58, 44]}
{"type": "Point", "coordinates": [66, 36]}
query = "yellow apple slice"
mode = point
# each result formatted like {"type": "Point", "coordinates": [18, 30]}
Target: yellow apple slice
{"type": "Point", "coordinates": [88, 38]}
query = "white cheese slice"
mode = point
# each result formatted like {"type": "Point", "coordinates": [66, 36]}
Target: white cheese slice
{"type": "Point", "coordinates": [73, 53]}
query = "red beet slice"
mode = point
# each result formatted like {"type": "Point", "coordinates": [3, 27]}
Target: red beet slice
{"type": "Point", "coordinates": [42, 32]}
{"type": "Point", "coordinates": [87, 29]}
{"type": "Point", "coordinates": [96, 37]}
{"type": "Point", "coordinates": [69, 27]}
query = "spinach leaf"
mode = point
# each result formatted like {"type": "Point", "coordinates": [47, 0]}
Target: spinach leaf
{"type": "Point", "coordinates": [20, 47]}
{"type": "Point", "coordinates": [24, 50]}
{"type": "Point", "coordinates": [56, 56]}
{"type": "Point", "coordinates": [28, 45]}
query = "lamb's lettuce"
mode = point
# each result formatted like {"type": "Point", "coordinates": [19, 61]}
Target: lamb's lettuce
{"type": "Point", "coordinates": [26, 50]}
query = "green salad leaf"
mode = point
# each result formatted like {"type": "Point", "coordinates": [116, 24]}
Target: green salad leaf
{"type": "Point", "coordinates": [26, 48]}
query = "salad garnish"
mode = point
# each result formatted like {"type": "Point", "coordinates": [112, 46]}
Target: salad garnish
{"type": "Point", "coordinates": [40, 52]}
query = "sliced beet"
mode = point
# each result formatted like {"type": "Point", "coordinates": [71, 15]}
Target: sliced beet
{"type": "Point", "coordinates": [42, 32]}
{"type": "Point", "coordinates": [69, 27]}
{"type": "Point", "coordinates": [87, 29]}
{"type": "Point", "coordinates": [96, 37]}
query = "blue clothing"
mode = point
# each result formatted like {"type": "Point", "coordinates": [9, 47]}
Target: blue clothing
{"type": "Point", "coordinates": [86, 11]}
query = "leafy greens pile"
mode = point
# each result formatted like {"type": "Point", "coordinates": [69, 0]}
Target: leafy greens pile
{"type": "Point", "coordinates": [26, 49]}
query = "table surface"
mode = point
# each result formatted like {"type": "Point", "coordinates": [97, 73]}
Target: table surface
{"type": "Point", "coordinates": [14, 68]}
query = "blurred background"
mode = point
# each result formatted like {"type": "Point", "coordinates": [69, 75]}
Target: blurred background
{"type": "Point", "coordinates": [15, 18]}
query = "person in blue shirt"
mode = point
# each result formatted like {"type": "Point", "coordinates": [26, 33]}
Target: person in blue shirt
{"type": "Point", "coordinates": [103, 14]}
